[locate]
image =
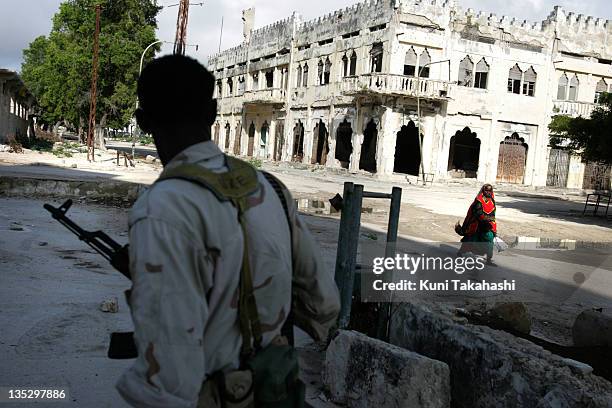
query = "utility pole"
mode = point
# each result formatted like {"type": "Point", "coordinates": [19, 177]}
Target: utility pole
{"type": "Point", "coordinates": [181, 28]}
{"type": "Point", "coordinates": [94, 82]}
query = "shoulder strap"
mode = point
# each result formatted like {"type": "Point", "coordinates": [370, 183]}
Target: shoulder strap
{"type": "Point", "coordinates": [234, 185]}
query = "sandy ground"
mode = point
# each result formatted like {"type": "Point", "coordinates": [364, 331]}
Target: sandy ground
{"type": "Point", "coordinates": [51, 284]}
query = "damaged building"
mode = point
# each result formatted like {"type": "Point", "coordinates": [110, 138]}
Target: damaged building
{"type": "Point", "coordinates": [16, 103]}
{"type": "Point", "coordinates": [415, 89]}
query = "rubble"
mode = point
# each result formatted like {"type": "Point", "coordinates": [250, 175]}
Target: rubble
{"type": "Point", "coordinates": [490, 368]}
{"type": "Point", "coordinates": [515, 314]}
{"type": "Point", "coordinates": [593, 328]}
{"type": "Point", "coordinates": [364, 372]}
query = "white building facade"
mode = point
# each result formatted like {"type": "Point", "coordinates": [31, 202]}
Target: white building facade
{"type": "Point", "coordinates": [355, 88]}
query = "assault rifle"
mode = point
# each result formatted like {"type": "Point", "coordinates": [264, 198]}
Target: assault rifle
{"type": "Point", "coordinates": [122, 343]}
{"type": "Point", "coordinates": [110, 249]}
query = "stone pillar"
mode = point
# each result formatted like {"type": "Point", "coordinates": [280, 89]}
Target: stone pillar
{"type": "Point", "coordinates": [385, 145]}
{"type": "Point", "coordinates": [357, 136]}
{"type": "Point", "coordinates": [308, 136]}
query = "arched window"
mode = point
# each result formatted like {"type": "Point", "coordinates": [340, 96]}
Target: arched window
{"type": "Point", "coordinates": [424, 61]}
{"type": "Point", "coordinates": [305, 75]}
{"type": "Point", "coordinates": [320, 72]}
{"type": "Point", "coordinates": [240, 89]}
{"type": "Point", "coordinates": [514, 79]}
{"type": "Point", "coordinates": [299, 76]}
{"type": "Point", "coordinates": [573, 88]}
{"type": "Point", "coordinates": [219, 89]}
{"type": "Point", "coordinates": [230, 86]}
{"type": "Point", "coordinates": [255, 81]}
{"type": "Point", "coordinates": [376, 55]}
{"type": "Point", "coordinates": [353, 66]}
{"type": "Point", "coordinates": [529, 81]}
{"type": "Point", "coordinates": [482, 74]}
{"type": "Point", "coordinates": [345, 65]}
{"type": "Point", "coordinates": [562, 88]}
{"type": "Point", "coordinates": [466, 72]}
{"type": "Point", "coordinates": [410, 62]}
{"type": "Point", "coordinates": [600, 88]}
{"type": "Point", "coordinates": [327, 72]}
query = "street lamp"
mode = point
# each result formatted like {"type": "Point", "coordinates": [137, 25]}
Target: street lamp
{"type": "Point", "coordinates": [418, 95]}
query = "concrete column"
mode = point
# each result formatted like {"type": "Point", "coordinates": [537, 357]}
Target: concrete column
{"type": "Point", "coordinates": [385, 145]}
{"type": "Point", "coordinates": [308, 136]}
{"type": "Point", "coordinates": [357, 136]}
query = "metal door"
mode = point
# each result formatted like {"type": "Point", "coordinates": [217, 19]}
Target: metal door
{"type": "Point", "coordinates": [511, 161]}
{"type": "Point", "coordinates": [596, 176]}
{"type": "Point", "coordinates": [558, 168]}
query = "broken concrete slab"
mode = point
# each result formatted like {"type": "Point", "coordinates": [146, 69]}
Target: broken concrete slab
{"type": "Point", "coordinates": [593, 328]}
{"type": "Point", "coordinates": [491, 368]}
{"type": "Point", "coordinates": [361, 371]}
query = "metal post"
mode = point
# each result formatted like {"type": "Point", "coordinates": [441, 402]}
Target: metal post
{"type": "Point", "coordinates": [348, 239]}
{"type": "Point", "coordinates": [384, 312]}
{"type": "Point", "coordinates": [94, 80]}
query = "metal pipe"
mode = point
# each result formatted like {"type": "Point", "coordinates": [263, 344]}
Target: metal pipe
{"type": "Point", "coordinates": [372, 194]}
{"type": "Point", "coordinates": [418, 95]}
{"type": "Point", "coordinates": [384, 311]}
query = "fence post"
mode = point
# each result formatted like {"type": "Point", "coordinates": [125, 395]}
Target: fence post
{"type": "Point", "coordinates": [348, 239]}
{"type": "Point", "coordinates": [384, 311]}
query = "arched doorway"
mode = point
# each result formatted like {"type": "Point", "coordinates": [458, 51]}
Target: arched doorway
{"type": "Point", "coordinates": [263, 138]}
{"type": "Point", "coordinates": [463, 154]}
{"type": "Point", "coordinates": [237, 139]}
{"type": "Point", "coordinates": [251, 139]}
{"type": "Point", "coordinates": [367, 161]}
{"type": "Point", "coordinates": [227, 135]}
{"type": "Point", "coordinates": [407, 150]}
{"type": "Point", "coordinates": [320, 145]}
{"type": "Point", "coordinates": [344, 144]}
{"type": "Point", "coordinates": [512, 159]}
{"type": "Point", "coordinates": [279, 140]}
{"type": "Point", "coordinates": [298, 142]}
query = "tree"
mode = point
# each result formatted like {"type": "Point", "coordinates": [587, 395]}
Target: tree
{"type": "Point", "coordinates": [57, 68]}
{"type": "Point", "coordinates": [591, 137]}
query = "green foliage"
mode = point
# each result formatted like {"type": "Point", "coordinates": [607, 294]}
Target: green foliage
{"type": "Point", "coordinates": [255, 162]}
{"type": "Point", "coordinates": [591, 137]}
{"type": "Point", "coordinates": [57, 68]}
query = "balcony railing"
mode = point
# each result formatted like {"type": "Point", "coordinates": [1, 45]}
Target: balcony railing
{"type": "Point", "coordinates": [266, 95]}
{"type": "Point", "coordinates": [392, 84]}
{"type": "Point", "coordinates": [573, 109]}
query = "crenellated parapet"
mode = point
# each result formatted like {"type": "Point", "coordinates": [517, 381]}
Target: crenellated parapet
{"type": "Point", "coordinates": [581, 34]}
{"type": "Point", "coordinates": [357, 17]}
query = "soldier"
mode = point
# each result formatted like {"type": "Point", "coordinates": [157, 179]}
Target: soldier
{"type": "Point", "coordinates": [208, 233]}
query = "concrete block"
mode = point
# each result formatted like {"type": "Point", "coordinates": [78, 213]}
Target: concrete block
{"type": "Point", "coordinates": [491, 368]}
{"type": "Point", "coordinates": [593, 328]}
{"type": "Point", "coordinates": [515, 314]}
{"type": "Point", "coordinates": [360, 371]}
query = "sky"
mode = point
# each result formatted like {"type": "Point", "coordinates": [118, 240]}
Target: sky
{"type": "Point", "coordinates": [21, 21]}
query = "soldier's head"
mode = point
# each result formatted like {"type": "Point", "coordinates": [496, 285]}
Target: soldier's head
{"type": "Point", "coordinates": [175, 103]}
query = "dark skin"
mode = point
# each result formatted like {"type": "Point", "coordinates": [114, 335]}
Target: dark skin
{"type": "Point", "coordinates": [172, 137]}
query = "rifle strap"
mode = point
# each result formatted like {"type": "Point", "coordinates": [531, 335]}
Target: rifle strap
{"type": "Point", "coordinates": [234, 185]}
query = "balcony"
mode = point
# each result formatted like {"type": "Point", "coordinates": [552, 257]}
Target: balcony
{"type": "Point", "coordinates": [395, 85]}
{"type": "Point", "coordinates": [573, 109]}
{"type": "Point", "coordinates": [265, 96]}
